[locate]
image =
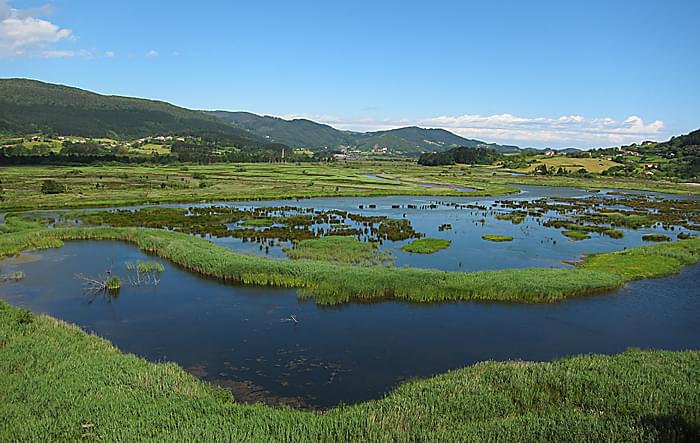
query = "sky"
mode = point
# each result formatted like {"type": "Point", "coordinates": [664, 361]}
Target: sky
{"type": "Point", "coordinates": [532, 73]}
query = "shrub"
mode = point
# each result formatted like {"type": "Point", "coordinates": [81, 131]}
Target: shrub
{"type": "Point", "coordinates": [52, 187]}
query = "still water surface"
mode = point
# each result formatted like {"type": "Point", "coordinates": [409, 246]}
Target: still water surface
{"type": "Point", "coordinates": [242, 338]}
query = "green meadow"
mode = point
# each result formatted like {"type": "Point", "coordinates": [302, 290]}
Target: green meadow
{"type": "Point", "coordinates": [120, 185]}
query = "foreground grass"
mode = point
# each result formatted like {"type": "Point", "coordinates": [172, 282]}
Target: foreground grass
{"type": "Point", "coordinates": [426, 245]}
{"type": "Point", "coordinates": [332, 283]}
{"type": "Point", "coordinates": [58, 383]}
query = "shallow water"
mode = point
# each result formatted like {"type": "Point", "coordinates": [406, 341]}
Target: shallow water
{"type": "Point", "coordinates": [241, 337]}
{"type": "Point", "coordinates": [533, 245]}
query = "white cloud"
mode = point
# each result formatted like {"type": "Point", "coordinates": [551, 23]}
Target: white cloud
{"type": "Point", "coordinates": [152, 53]}
{"type": "Point", "coordinates": [23, 33]}
{"type": "Point", "coordinates": [563, 131]}
{"type": "Point", "coordinates": [66, 53]}
{"type": "Point", "coordinates": [109, 54]}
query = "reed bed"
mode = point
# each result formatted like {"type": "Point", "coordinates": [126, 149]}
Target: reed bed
{"type": "Point", "coordinates": [338, 249]}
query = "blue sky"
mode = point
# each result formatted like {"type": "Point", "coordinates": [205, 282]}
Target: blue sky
{"type": "Point", "coordinates": [540, 73]}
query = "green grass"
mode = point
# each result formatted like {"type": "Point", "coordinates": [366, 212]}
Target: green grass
{"type": "Point", "coordinates": [58, 383]}
{"type": "Point", "coordinates": [515, 217]}
{"type": "Point", "coordinates": [426, 245]}
{"type": "Point", "coordinates": [146, 267]}
{"type": "Point", "coordinates": [121, 185]}
{"type": "Point", "coordinates": [647, 261]}
{"type": "Point", "coordinates": [113, 283]}
{"type": "Point", "coordinates": [337, 249]}
{"type": "Point", "coordinates": [497, 238]}
{"type": "Point", "coordinates": [576, 235]}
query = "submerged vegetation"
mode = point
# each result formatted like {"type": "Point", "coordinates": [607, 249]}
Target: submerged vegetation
{"type": "Point", "coordinates": [54, 387]}
{"type": "Point", "coordinates": [426, 245]}
{"type": "Point", "coordinates": [281, 223]}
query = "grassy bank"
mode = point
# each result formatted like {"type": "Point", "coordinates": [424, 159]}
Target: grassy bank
{"type": "Point", "coordinates": [58, 383]}
{"type": "Point", "coordinates": [332, 283]}
{"type": "Point", "coordinates": [649, 261]}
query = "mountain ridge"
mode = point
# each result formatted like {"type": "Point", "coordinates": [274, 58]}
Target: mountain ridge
{"type": "Point", "coordinates": [28, 106]}
{"type": "Point", "coordinates": [310, 134]}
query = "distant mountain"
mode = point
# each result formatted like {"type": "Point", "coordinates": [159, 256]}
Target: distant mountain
{"type": "Point", "coordinates": [569, 151]}
{"type": "Point", "coordinates": [29, 106]}
{"type": "Point", "coordinates": [309, 134]}
{"type": "Point", "coordinates": [295, 133]}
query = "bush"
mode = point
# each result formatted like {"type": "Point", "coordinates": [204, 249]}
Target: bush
{"type": "Point", "coordinates": [52, 187]}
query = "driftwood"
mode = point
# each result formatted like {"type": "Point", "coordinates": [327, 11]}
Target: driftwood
{"type": "Point", "coordinates": [92, 284]}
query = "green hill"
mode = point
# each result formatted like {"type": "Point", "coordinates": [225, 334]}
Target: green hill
{"type": "Point", "coordinates": [309, 134]}
{"type": "Point", "coordinates": [29, 106]}
{"type": "Point", "coordinates": [295, 133]}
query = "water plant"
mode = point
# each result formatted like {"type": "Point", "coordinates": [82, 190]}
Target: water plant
{"type": "Point", "coordinates": [576, 234]}
{"type": "Point", "coordinates": [497, 238]}
{"type": "Point", "coordinates": [426, 245]}
{"type": "Point", "coordinates": [113, 283]}
{"type": "Point", "coordinates": [515, 217]}
{"type": "Point", "coordinates": [260, 222]}
{"type": "Point", "coordinates": [656, 237]}
{"type": "Point", "coordinates": [338, 249]}
{"type": "Point", "coordinates": [14, 276]}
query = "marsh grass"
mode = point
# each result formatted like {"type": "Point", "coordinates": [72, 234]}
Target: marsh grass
{"type": "Point", "coordinates": [332, 283]}
{"type": "Point", "coordinates": [656, 237]}
{"type": "Point", "coordinates": [145, 267]}
{"type": "Point", "coordinates": [497, 238]}
{"type": "Point", "coordinates": [426, 245]}
{"type": "Point", "coordinates": [647, 261]}
{"type": "Point", "coordinates": [576, 235]}
{"type": "Point", "coordinates": [58, 383]}
{"type": "Point", "coordinates": [113, 283]}
{"type": "Point", "coordinates": [338, 249]}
